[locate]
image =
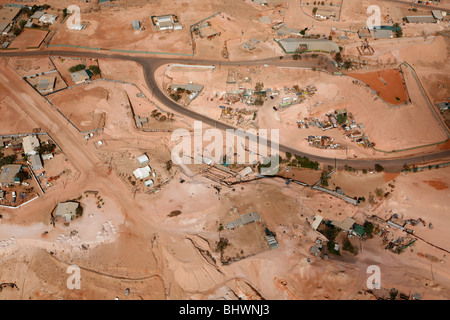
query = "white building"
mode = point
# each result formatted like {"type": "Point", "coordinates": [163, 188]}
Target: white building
{"type": "Point", "coordinates": [148, 183]}
{"type": "Point", "coordinates": [29, 144]}
{"type": "Point", "coordinates": [246, 171]}
{"type": "Point", "coordinates": [48, 18]}
{"type": "Point", "coordinates": [142, 159]}
{"type": "Point", "coordinates": [142, 173]}
{"type": "Point", "coordinates": [47, 156]}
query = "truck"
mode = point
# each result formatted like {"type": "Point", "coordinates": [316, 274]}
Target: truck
{"type": "Point", "coordinates": [14, 196]}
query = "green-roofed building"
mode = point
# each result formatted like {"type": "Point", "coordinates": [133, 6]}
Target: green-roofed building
{"type": "Point", "coordinates": [359, 230]}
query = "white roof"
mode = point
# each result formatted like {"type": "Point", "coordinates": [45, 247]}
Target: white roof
{"type": "Point", "coordinates": [143, 159]}
{"type": "Point", "coordinates": [317, 220]}
{"type": "Point", "coordinates": [29, 143]}
{"type": "Point", "coordinates": [245, 171]}
{"type": "Point", "coordinates": [48, 18]}
{"type": "Point", "coordinates": [142, 173]}
{"type": "Point", "coordinates": [148, 183]}
{"type": "Point", "coordinates": [437, 14]}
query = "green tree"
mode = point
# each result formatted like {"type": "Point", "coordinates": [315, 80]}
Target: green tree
{"type": "Point", "coordinates": [314, 10]}
{"type": "Point", "coordinates": [378, 167]}
{"type": "Point", "coordinates": [22, 23]}
{"type": "Point", "coordinates": [94, 69]}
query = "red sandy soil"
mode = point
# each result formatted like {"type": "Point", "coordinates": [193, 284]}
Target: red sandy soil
{"type": "Point", "coordinates": [390, 176]}
{"type": "Point", "coordinates": [437, 184]}
{"type": "Point", "coordinates": [394, 84]}
{"type": "Point", "coordinates": [29, 38]}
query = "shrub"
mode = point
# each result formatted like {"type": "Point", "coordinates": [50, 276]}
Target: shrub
{"type": "Point", "coordinates": [94, 69]}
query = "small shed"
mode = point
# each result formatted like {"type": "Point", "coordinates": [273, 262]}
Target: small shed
{"type": "Point", "coordinates": [143, 159]}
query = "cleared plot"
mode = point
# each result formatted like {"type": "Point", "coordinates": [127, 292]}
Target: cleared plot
{"type": "Point", "coordinates": [388, 84]}
{"type": "Point", "coordinates": [244, 241]}
{"type": "Point", "coordinates": [29, 38]}
{"type": "Point", "coordinates": [31, 66]}
{"type": "Point", "coordinates": [13, 119]}
{"type": "Point", "coordinates": [111, 28]}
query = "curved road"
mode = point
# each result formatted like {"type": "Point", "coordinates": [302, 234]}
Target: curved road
{"type": "Point", "coordinates": [151, 64]}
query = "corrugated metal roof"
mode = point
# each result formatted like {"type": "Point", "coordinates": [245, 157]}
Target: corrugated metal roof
{"type": "Point", "coordinates": [419, 19]}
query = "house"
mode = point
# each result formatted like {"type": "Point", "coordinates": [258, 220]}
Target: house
{"type": "Point", "coordinates": [46, 84]}
{"type": "Point", "coordinates": [8, 174]}
{"type": "Point", "coordinates": [36, 162]}
{"type": "Point", "coordinates": [37, 15]}
{"type": "Point", "coordinates": [383, 34]}
{"type": "Point", "coordinates": [246, 171]}
{"type": "Point", "coordinates": [2, 194]}
{"type": "Point", "coordinates": [81, 76]}
{"type": "Point", "coordinates": [208, 32]}
{"type": "Point", "coordinates": [273, 244]}
{"type": "Point", "coordinates": [47, 156]}
{"type": "Point", "coordinates": [30, 143]}
{"type": "Point", "coordinates": [437, 14]}
{"type": "Point", "coordinates": [48, 18]}
{"type": "Point", "coordinates": [244, 219]}
{"type": "Point", "coordinates": [143, 159]}
{"type": "Point", "coordinates": [148, 183]}
{"type": "Point", "coordinates": [316, 222]}
{"type": "Point", "coordinates": [166, 22]}
{"type": "Point", "coordinates": [142, 173]}
{"type": "Point", "coordinates": [67, 210]}
{"type": "Point", "coordinates": [140, 120]}
{"type": "Point", "coordinates": [420, 19]}
{"type": "Point", "coordinates": [136, 25]}
{"type": "Point", "coordinates": [7, 17]}
{"type": "Point", "coordinates": [295, 45]}
{"type": "Point", "coordinates": [325, 14]}
{"type": "Point", "coordinates": [359, 230]}
{"type": "Point", "coordinates": [364, 33]}
{"type": "Point", "coordinates": [346, 225]}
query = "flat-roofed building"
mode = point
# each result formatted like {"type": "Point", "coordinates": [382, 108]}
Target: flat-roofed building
{"type": "Point", "coordinates": [382, 34]}
{"type": "Point", "coordinates": [316, 223]}
{"type": "Point", "coordinates": [208, 32]}
{"type": "Point", "coordinates": [136, 25]}
{"type": "Point", "coordinates": [67, 210]}
{"type": "Point", "coordinates": [420, 19]}
{"type": "Point", "coordinates": [245, 172]}
{"type": "Point", "coordinates": [142, 173]}
{"type": "Point", "coordinates": [81, 76]}
{"type": "Point", "coordinates": [7, 16]}
{"type": "Point", "coordinates": [37, 15]}
{"type": "Point", "coordinates": [36, 162]}
{"type": "Point", "coordinates": [8, 174]}
{"type": "Point", "coordinates": [295, 45]}
{"type": "Point", "coordinates": [325, 14]}
{"type": "Point", "coordinates": [346, 225]}
{"type": "Point", "coordinates": [437, 14]}
{"type": "Point", "coordinates": [143, 159]}
{"type": "Point", "coordinates": [48, 18]}
{"type": "Point", "coordinates": [46, 84]}
{"type": "Point", "coordinates": [30, 143]}
{"type": "Point", "coordinates": [244, 219]}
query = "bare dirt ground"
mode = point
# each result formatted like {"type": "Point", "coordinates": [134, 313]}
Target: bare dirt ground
{"type": "Point", "coordinates": [29, 38]}
{"type": "Point", "coordinates": [129, 239]}
{"type": "Point", "coordinates": [406, 127]}
{"type": "Point", "coordinates": [388, 84]}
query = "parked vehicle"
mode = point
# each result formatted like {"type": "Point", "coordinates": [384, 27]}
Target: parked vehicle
{"type": "Point", "coordinates": [274, 108]}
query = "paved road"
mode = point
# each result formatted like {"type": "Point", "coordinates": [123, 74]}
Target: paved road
{"type": "Point", "coordinates": [151, 64]}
